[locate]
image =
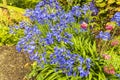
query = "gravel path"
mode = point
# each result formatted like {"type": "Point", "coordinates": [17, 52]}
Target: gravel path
{"type": "Point", "coordinates": [13, 65]}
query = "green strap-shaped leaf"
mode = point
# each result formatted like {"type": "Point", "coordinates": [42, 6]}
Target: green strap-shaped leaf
{"type": "Point", "coordinates": [39, 77]}
{"type": "Point", "coordinates": [48, 74]}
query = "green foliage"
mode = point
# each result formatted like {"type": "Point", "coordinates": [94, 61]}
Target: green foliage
{"type": "Point", "coordinates": [8, 39]}
{"type": "Point", "coordinates": [85, 44]}
{"type": "Point", "coordinates": [22, 3]}
{"type": "Point", "coordinates": [107, 8]}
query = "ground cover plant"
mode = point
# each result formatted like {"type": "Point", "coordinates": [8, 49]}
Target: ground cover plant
{"type": "Point", "coordinates": [78, 43]}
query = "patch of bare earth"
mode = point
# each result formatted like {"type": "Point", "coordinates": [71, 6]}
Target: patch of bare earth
{"type": "Point", "coordinates": [13, 65]}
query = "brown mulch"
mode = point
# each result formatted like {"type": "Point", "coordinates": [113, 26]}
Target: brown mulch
{"type": "Point", "coordinates": [13, 65]}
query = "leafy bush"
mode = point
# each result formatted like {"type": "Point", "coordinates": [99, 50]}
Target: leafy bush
{"type": "Point", "coordinates": [71, 45]}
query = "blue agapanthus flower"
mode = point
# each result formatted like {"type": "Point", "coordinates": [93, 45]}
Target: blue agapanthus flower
{"type": "Point", "coordinates": [49, 39]}
{"type": "Point", "coordinates": [104, 35]}
{"type": "Point", "coordinates": [116, 18]}
{"type": "Point", "coordinates": [35, 57]}
{"type": "Point", "coordinates": [85, 8]}
{"type": "Point", "coordinates": [93, 8]}
{"type": "Point", "coordinates": [66, 61]}
{"type": "Point", "coordinates": [76, 11]}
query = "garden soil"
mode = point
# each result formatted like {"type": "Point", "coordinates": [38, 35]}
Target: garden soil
{"type": "Point", "coordinates": [13, 65]}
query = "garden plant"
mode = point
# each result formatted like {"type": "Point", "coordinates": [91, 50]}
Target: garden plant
{"type": "Point", "coordinates": [77, 41]}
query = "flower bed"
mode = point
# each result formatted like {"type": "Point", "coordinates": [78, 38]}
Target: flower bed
{"type": "Point", "coordinates": [71, 45]}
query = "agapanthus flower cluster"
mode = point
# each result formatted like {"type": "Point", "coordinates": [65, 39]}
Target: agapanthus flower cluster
{"type": "Point", "coordinates": [44, 11]}
{"type": "Point", "coordinates": [28, 42]}
{"type": "Point", "coordinates": [116, 18]}
{"type": "Point", "coordinates": [70, 64]}
{"type": "Point", "coordinates": [33, 34]}
{"type": "Point", "coordinates": [49, 12]}
{"type": "Point", "coordinates": [57, 20]}
{"type": "Point", "coordinates": [79, 11]}
{"type": "Point", "coordinates": [93, 8]}
{"type": "Point", "coordinates": [104, 35]}
{"type": "Point", "coordinates": [85, 8]}
{"type": "Point", "coordinates": [31, 39]}
{"type": "Point", "coordinates": [76, 11]}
